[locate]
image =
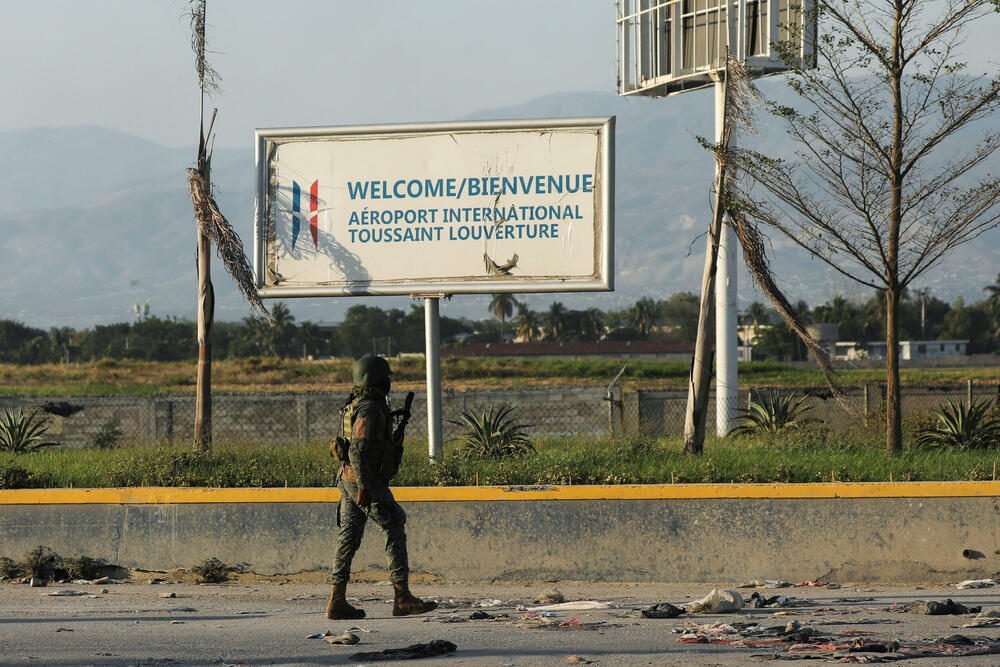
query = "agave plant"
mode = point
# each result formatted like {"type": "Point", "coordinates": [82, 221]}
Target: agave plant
{"type": "Point", "coordinates": [493, 434]}
{"type": "Point", "coordinates": [23, 433]}
{"type": "Point", "coordinates": [967, 427]}
{"type": "Point", "coordinates": [770, 413]}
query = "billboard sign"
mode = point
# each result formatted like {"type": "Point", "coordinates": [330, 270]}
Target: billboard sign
{"type": "Point", "coordinates": [670, 46]}
{"type": "Point", "coordinates": [435, 208]}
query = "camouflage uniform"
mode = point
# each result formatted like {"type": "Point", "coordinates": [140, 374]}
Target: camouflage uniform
{"type": "Point", "coordinates": [368, 421]}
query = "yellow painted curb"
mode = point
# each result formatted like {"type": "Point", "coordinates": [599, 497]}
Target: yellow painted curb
{"type": "Point", "coordinates": [176, 495]}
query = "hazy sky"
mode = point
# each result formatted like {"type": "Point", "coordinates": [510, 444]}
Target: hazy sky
{"type": "Point", "coordinates": [127, 64]}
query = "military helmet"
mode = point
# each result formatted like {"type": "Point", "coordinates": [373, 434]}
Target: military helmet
{"type": "Point", "coordinates": [371, 370]}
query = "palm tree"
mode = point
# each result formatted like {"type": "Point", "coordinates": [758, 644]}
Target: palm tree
{"type": "Point", "coordinates": [644, 315]}
{"type": "Point", "coordinates": [555, 321]}
{"type": "Point", "coordinates": [592, 324]}
{"type": "Point", "coordinates": [502, 307]}
{"type": "Point", "coordinates": [528, 326]}
{"type": "Point", "coordinates": [994, 291]}
{"type": "Point", "coordinates": [756, 312]}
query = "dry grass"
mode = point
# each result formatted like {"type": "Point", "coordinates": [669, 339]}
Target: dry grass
{"type": "Point", "coordinates": [283, 375]}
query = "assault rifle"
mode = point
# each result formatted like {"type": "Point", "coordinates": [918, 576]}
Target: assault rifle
{"type": "Point", "coordinates": [403, 414]}
{"type": "Point", "coordinates": [394, 451]}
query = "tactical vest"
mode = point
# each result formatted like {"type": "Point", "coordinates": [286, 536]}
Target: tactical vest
{"type": "Point", "coordinates": [380, 442]}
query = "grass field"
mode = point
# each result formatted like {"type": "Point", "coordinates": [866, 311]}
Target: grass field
{"type": "Point", "coordinates": [256, 375]}
{"type": "Point", "coordinates": [803, 456]}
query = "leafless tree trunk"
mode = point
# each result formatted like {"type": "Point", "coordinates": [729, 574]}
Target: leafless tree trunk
{"type": "Point", "coordinates": [206, 316]}
{"type": "Point", "coordinates": [861, 193]}
{"type": "Point", "coordinates": [212, 228]}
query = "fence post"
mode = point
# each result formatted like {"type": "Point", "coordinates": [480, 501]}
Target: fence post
{"type": "Point", "coordinates": [867, 402]}
{"type": "Point", "coordinates": [630, 412]}
{"type": "Point", "coordinates": [302, 408]}
{"type": "Point", "coordinates": [968, 392]}
{"type": "Point", "coordinates": [614, 399]}
{"type": "Point", "coordinates": [168, 427]}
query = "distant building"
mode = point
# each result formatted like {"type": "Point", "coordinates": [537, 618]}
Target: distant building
{"type": "Point", "coordinates": [658, 350]}
{"type": "Point", "coordinates": [908, 349]}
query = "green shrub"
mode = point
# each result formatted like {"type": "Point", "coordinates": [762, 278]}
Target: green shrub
{"type": "Point", "coordinates": [966, 427]}
{"type": "Point", "coordinates": [9, 569]}
{"type": "Point", "coordinates": [109, 434]}
{"type": "Point", "coordinates": [82, 567]}
{"type": "Point", "coordinates": [41, 562]}
{"type": "Point", "coordinates": [770, 413]}
{"type": "Point", "coordinates": [23, 433]}
{"type": "Point", "coordinates": [493, 434]}
{"type": "Point", "coordinates": [211, 571]}
{"type": "Point", "coordinates": [15, 477]}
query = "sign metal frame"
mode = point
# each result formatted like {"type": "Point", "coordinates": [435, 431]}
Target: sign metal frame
{"type": "Point", "coordinates": [267, 141]}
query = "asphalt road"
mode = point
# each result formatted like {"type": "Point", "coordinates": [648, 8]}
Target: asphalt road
{"type": "Point", "coordinates": [268, 623]}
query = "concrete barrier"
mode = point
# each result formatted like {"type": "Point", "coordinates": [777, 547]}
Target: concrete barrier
{"type": "Point", "coordinates": [892, 533]}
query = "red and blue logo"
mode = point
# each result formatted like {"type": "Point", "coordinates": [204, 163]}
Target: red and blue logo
{"type": "Point", "coordinates": [296, 210]}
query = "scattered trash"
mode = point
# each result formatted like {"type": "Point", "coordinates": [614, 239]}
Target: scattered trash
{"type": "Point", "coordinates": [171, 594]}
{"type": "Point", "coordinates": [63, 630]}
{"type": "Point", "coordinates": [411, 652]}
{"type": "Point", "coordinates": [489, 603]}
{"type": "Point", "coordinates": [976, 583]}
{"type": "Point", "coordinates": [758, 601]}
{"type": "Point", "coordinates": [38, 582]}
{"type": "Point", "coordinates": [985, 619]}
{"type": "Point", "coordinates": [577, 660]}
{"type": "Point", "coordinates": [662, 610]}
{"type": "Point", "coordinates": [576, 605]}
{"type": "Point", "coordinates": [934, 608]}
{"type": "Point", "coordinates": [319, 635]}
{"type": "Point", "coordinates": [763, 583]}
{"type": "Point", "coordinates": [451, 618]}
{"type": "Point", "coordinates": [569, 623]}
{"type": "Point", "coordinates": [717, 602]}
{"type": "Point", "coordinates": [479, 616]}
{"type": "Point", "coordinates": [65, 593]}
{"type": "Point", "coordinates": [816, 584]}
{"type": "Point", "coordinates": [551, 596]}
{"type": "Point", "coordinates": [176, 622]}
{"type": "Point", "coordinates": [360, 629]}
{"type": "Point", "coordinates": [346, 639]}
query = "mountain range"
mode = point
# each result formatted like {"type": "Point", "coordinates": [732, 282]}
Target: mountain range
{"type": "Point", "coordinates": [96, 221]}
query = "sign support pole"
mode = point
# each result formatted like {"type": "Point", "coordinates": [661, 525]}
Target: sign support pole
{"type": "Point", "coordinates": [726, 378]}
{"type": "Point", "coordinates": [432, 342]}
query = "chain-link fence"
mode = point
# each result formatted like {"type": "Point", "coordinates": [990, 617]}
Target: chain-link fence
{"type": "Point", "coordinates": [281, 419]}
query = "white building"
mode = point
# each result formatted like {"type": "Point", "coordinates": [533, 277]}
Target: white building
{"type": "Point", "coordinates": [908, 349]}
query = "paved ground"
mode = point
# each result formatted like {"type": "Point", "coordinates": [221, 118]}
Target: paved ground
{"type": "Point", "coordinates": [268, 623]}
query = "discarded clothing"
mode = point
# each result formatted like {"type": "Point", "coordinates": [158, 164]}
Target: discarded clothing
{"type": "Point", "coordinates": [976, 583]}
{"type": "Point", "coordinates": [347, 639]}
{"type": "Point", "coordinates": [934, 608]}
{"type": "Point", "coordinates": [480, 615]}
{"type": "Point", "coordinates": [758, 601]}
{"type": "Point", "coordinates": [662, 610]}
{"type": "Point", "coordinates": [576, 605]}
{"type": "Point", "coordinates": [717, 602]}
{"type": "Point", "coordinates": [411, 652]}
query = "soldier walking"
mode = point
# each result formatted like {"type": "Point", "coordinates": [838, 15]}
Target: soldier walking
{"type": "Point", "coordinates": [369, 459]}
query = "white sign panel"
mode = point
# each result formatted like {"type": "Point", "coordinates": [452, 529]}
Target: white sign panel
{"type": "Point", "coordinates": [520, 206]}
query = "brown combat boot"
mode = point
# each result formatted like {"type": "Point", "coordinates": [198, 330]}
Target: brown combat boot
{"type": "Point", "coordinates": [337, 609]}
{"type": "Point", "coordinates": [407, 604]}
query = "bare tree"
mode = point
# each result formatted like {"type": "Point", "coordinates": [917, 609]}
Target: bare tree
{"type": "Point", "coordinates": [889, 168]}
{"type": "Point", "coordinates": [212, 228]}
